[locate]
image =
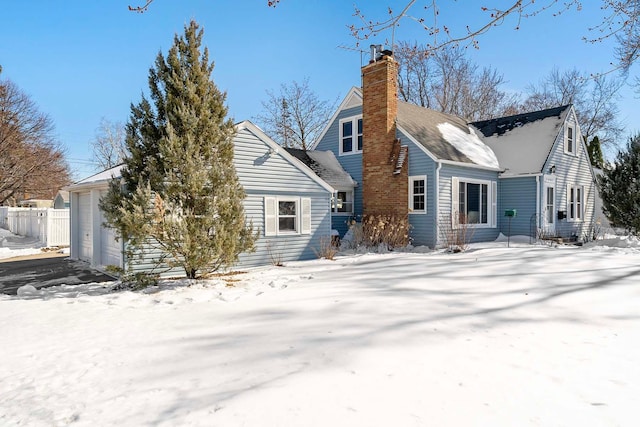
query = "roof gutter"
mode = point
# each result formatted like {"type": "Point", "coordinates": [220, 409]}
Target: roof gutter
{"type": "Point", "coordinates": [524, 175]}
{"type": "Point", "coordinates": [470, 165]}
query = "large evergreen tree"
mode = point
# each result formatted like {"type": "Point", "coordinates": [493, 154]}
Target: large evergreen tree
{"type": "Point", "coordinates": [620, 188]}
{"type": "Point", "coordinates": [180, 192]}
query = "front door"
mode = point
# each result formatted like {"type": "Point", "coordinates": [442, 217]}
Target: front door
{"type": "Point", "coordinates": [549, 206]}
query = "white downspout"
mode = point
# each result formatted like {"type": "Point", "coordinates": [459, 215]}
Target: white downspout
{"type": "Point", "coordinates": [538, 212]}
{"type": "Point", "coordinates": [437, 212]}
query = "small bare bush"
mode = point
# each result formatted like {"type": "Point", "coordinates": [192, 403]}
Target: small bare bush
{"type": "Point", "coordinates": [456, 238]}
{"type": "Point", "coordinates": [328, 248]}
{"type": "Point", "coordinates": [275, 254]}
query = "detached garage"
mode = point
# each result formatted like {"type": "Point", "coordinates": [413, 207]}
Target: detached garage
{"type": "Point", "coordinates": [286, 201]}
{"type": "Point", "coordinates": [90, 241]}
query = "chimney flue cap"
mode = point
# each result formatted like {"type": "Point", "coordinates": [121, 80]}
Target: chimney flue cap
{"type": "Point", "coordinates": [377, 52]}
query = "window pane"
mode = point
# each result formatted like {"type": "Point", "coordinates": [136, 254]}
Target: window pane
{"type": "Point", "coordinates": [570, 140]}
{"type": "Point", "coordinates": [347, 145]}
{"type": "Point", "coordinates": [286, 224]}
{"type": "Point", "coordinates": [342, 197]}
{"type": "Point", "coordinates": [578, 203]}
{"type": "Point", "coordinates": [418, 203]}
{"type": "Point", "coordinates": [287, 208]}
{"type": "Point", "coordinates": [347, 129]}
{"type": "Point", "coordinates": [462, 203]}
{"type": "Point", "coordinates": [550, 203]}
{"type": "Point", "coordinates": [359, 134]}
{"type": "Point", "coordinates": [473, 203]}
{"type": "Point", "coordinates": [484, 203]}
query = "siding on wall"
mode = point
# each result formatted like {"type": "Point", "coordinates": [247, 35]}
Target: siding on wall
{"type": "Point", "coordinates": [572, 170]}
{"type": "Point", "coordinates": [262, 174]}
{"type": "Point", "coordinates": [446, 174]}
{"type": "Point", "coordinates": [519, 194]}
{"type": "Point", "coordinates": [351, 163]}
{"type": "Point", "coordinates": [423, 226]}
{"type": "Point", "coordinates": [271, 249]}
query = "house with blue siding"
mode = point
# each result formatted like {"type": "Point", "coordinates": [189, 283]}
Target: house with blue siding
{"type": "Point", "coordinates": [292, 219]}
{"type": "Point", "coordinates": [449, 176]}
{"type": "Point", "coordinates": [547, 176]}
{"type": "Point", "coordinates": [427, 165]}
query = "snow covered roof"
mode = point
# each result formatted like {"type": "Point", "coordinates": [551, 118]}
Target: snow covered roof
{"type": "Point", "coordinates": [445, 136]}
{"type": "Point", "coordinates": [325, 165]}
{"type": "Point", "coordinates": [100, 177]}
{"type": "Point", "coordinates": [523, 142]}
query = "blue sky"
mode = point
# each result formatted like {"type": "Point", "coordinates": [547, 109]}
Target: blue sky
{"type": "Point", "coordinates": [84, 60]}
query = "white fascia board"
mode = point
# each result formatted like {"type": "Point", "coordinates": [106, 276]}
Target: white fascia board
{"type": "Point", "coordinates": [280, 151]}
{"type": "Point", "coordinates": [522, 175]}
{"type": "Point", "coordinates": [470, 165]}
{"type": "Point", "coordinates": [346, 103]}
{"type": "Point", "coordinates": [74, 188]}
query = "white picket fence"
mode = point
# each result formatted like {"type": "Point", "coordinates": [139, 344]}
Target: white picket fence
{"type": "Point", "coordinates": [50, 226]}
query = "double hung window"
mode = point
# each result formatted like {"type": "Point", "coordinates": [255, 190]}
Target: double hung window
{"type": "Point", "coordinates": [351, 135]}
{"type": "Point", "coordinates": [417, 194]}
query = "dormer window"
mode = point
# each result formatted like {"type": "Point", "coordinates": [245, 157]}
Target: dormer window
{"type": "Point", "coordinates": [570, 143]}
{"type": "Point", "coordinates": [351, 135]}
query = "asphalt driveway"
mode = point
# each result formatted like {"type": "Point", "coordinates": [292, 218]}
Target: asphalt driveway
{"type": "Point", "coordinates": [46, 272]}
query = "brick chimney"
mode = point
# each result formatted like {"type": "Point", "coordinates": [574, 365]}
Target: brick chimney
{"type": "Point", "coordinates": [385, 186]}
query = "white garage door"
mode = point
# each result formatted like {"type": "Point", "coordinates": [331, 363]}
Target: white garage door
{"type": "Point", "coordinates": [85, 237]}
{"type": "Point", "coordinates": [109, 248]}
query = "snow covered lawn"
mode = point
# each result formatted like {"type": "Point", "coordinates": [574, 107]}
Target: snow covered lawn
{"type": "Point", "coordinates": [520, 336]}
{"type": "Point", "coordinates": [12, 245]}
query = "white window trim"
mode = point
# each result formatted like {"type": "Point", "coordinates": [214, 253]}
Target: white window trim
{"type": "Point", "coordinates": [271, 216]}
{"type": "Point", "coordinates": [354, 143]}
{"type": "Point", "coordinates": [573, 152]}
{"type": "Point", "coordinates": [334, 206]}
{"type": "Point", "coordinates": [411, 181]}
{"type": "Point", "coordinates": [492, 194]}
{"type": "Point", "coordinates": [571, 190]}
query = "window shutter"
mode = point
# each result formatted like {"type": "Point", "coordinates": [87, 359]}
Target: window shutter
{"type": "Point", "coordinates": [270, 217]}
{"type": "Point", "coordinates": [305, 211]}
{"type": "Point", "coordinates": [569, 191]}
{"type": "Point", "coordinates": [583, 203]}
{"type": "Point", "coordinates": [494, 204]}
{"type": "Point", "coordinates": [455, 202]}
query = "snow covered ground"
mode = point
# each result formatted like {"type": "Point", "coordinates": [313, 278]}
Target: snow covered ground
{"type": "Point", "coordinates": [13, 246]}
{"type": "Point", "coordinates": [496, 336]}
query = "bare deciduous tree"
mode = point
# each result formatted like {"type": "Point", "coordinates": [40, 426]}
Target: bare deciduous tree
{"type": "Point", "coordinates": [108, 146]}
{"type": "Point", "coordinates": [595, 100]}
{"type": "Point", "coordinates": [621, 22]}
{"type": "Point", "coordinates": [295, 116]}
{"type": "Point", "coordinates": [448, 81]}
{"type": "Point", "coordinates": [32, 163]}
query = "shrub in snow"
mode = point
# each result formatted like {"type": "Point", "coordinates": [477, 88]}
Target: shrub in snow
{"type": "Point", "coordinates": [328, 248]}
{"type": "Point", "coordinates": [381, 232]}
{"type": "Point", "coordinates": [456, 238]}
{"type": "Point", "coordinates": [134, 281]}
{"type": "Point", "coordinates": [620, 188]}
